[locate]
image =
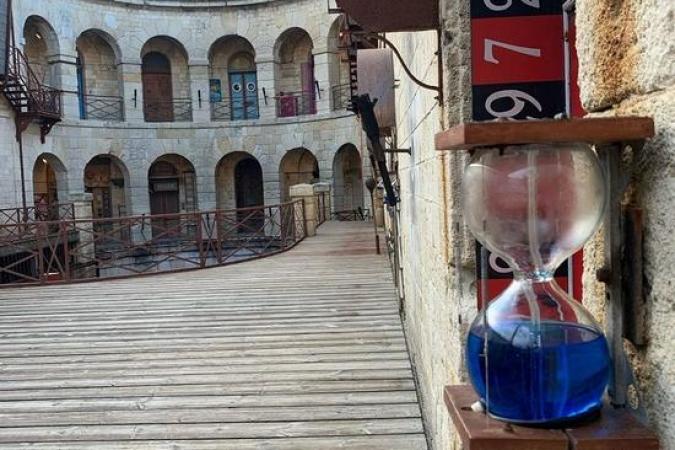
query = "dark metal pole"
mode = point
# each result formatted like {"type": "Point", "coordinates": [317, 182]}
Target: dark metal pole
{"type": "Point", "coordinates": [24, 203]}
{"type": "Point", "coordinates": [371, 184]}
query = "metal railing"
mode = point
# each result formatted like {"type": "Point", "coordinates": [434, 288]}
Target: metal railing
{"type": "Point", "coordinates": [176, 110]}
{"type": "Point", "coordinates": [228, 109]}
{"type": "Point", "coordinates": [323, 211]}
{"type": "Point", "coordinates": [81, 250]}
{"type": "Point", "coordinates": [352, 215]}
{"type": "Point", "coordinates": [103, 107]}
{"type": "Point", "coordinates": [341, 96]}
{"type": "Point", "coordinates": [26, 91]}
{"type": "Point", "coordinates": [293, 104]}
{"type": "Point", "coordinates": [37, 213]}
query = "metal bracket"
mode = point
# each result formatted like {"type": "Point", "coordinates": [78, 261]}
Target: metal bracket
{"type": "Point", "coordinates": [414, 79]}
{"type": "Point", "coordinates": [398, 150]}
{"type": "Point", "coordinates": [622, 273]}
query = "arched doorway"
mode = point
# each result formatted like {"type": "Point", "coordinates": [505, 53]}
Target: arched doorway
{"type": "Point", "coordinates": [157, 88]}
{"type": "Point", "coordinates": [239, 181]}
{"type": "Point", "coordinates": [172, 183]}
{"type": "Point", "coordinates": [297, 166]}
{"type": "Point", "coordinates": [105, 177]}
{"type": "Point", "coordinates": [49, 178]}
{"type": "Point", "coordinates": [41, 49]}
{"type": "Point", "coordinates": [99, 82]}
{"type": "Point", "coordinates": [348, 179]}
{"type": "Point", "coordinates": [233, 79]}
{"type": "Point", "coordinates": [166, 81]}
{"type": "Point", "coordinates": [248, 181]}
{"type": "Point", "coordinates": [294, 74]}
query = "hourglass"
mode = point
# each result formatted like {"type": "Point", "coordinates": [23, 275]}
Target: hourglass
{"type": "Point", "coordinates": [535, 355]}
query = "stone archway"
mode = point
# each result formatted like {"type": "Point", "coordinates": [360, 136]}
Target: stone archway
{"type": "Point", "coordinates": [239, 182]}
{"type": "Point", "coordinates": [49, 186]}
{"type": "Point", "coordinates": [348, 179]}
{"type": "Point", "coordinates": [106, 178]}
{"type": "Point", "coordinates": [297, 166]}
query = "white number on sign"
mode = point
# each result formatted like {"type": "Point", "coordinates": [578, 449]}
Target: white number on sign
{"type": "Point", "coordinates": [506, 5]}
{"type": "Point", "coordinates": [498, 264]}
{"type": "Point", "coordinates": [518, 98]}
{"type": "Point", "coordinates": [490, 45]}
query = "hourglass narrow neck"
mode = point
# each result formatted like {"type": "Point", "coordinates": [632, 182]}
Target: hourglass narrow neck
{"type": "Point", "coordinates": [534, 275]}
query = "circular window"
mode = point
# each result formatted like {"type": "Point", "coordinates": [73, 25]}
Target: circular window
{"type": "Point", "coordinates": [250, 87]}
{"type": "Point", "coordinates": [236, 87]}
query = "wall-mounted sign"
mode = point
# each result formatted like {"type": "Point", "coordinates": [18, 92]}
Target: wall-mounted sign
{"type": "Point", "coordinates": [4, 24]}
{"type": "Point", "coordinates": [518, 72]}
{"type": "Point", "coordinates": [215, 90]}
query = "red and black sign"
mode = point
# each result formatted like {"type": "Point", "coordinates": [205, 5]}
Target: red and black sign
{"type": "Point", "coordinates": [518, 72]}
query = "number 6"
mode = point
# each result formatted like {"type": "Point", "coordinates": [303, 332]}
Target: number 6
{"type": "Point", "coordinates": [508, 3]}
{"type": "Point", "coordinates": [518, 98]}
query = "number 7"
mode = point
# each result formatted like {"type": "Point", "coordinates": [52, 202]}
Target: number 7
{"type": "Point", "coordinates": [490, 44]}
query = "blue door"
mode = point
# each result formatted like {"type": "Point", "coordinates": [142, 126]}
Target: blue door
{"type": "Point", "coordinates": [244, 95]}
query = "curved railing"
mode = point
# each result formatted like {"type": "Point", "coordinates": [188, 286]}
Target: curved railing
{"type": "Point", "coordinates": [84, 250]}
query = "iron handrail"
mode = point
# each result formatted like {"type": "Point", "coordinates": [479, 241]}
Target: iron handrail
{"type": "Point", "coordinates": [297, 103]}
{"type": "Point", "coordinates": [91, 249]}
{"type": "Point", "coordinates": [176, 110]}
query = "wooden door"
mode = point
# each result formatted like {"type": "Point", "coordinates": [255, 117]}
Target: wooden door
{"type": "Point", "coordinates": [165, 199]}
{"type": "Point", "coordinates": [157, 88]}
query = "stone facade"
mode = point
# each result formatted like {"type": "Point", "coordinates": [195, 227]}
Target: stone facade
{"type": "Point", "coordinates": [109, 41]}
{"type": "Point", "coordinates": [627, 67]}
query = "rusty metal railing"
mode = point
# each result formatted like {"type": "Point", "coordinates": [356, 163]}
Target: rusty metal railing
{"type": "Point", "coordinates": [293, 104]}
{"type": "Point", "coordinates": [84, 250]}
{"type": "Point", "coordinates": [322, 211]}
{"type": "Point", "coordinates": [37, 213]}
{"type": "Point", "coordinates": [176, 110]}
{"type": "Point", "coordinates": [25, 90]}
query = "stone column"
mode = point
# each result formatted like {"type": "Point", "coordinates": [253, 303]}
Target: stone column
{"type": "Point", "coordinates": [65, 66]}
{"type": "Point", "coordinates": [132, 90]}
{"type": "Point", "coordinates": [306, 192]}
{"type": "Point", "coordinates": [86, 248]}
{"type": "Point", "coordinates": [322, 76]}
{"type": "Point", "coordinates": [199, 87]}
{"type": "Point", "coordinates": [266, 86]}
{"type": "Point", "coordinates": [378, 214]}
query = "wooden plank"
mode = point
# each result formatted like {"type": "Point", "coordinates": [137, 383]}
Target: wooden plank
{"type": "Point", "coordinates": [591, 130]}
{"type": "Point", "coordinates": [480, 432]}
{"type": "Point", "coordinates": [373, 442]}
{"type": "Point", "coordinates": [283, 353]}
{"type": "Point", "coordinates": [214, 415]}
{"type": "Point", "coordinates": [241, 388]}
{"type": "Point", "coordinates": [615, 430]}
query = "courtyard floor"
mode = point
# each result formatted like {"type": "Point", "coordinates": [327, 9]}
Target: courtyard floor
{"type": "Point", "coordinates": [303, 350]}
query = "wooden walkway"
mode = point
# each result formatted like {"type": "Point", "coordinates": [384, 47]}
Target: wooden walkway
{"type": "Point", "coordinates": [299, 351]}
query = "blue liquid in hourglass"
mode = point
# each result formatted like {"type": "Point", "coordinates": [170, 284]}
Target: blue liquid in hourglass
{"type": "Point", "coordinates": [561, 379]}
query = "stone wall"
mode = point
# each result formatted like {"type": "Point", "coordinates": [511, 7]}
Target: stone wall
{"type": "Point", "coordinates": [627, 59]}
{"type": "Point", "coordinates": [627, 67]}
{"type": "Point", "coordinates": [188, 37]}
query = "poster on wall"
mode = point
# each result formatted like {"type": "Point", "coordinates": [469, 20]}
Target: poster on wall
{"type": "Point", "coordinates": [4, 23]}
{"type": "Point", "coordinates": [518, 72]}
{"type": "Point", "coordinates": [215, 91]}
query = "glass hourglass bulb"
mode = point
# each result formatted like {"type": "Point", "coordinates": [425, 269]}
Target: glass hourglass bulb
{"type": "Point", "coordinates": [535, 356]}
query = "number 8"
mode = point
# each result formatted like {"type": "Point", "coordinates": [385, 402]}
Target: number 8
{"type": "Point", "coordinates": [509, 3]}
